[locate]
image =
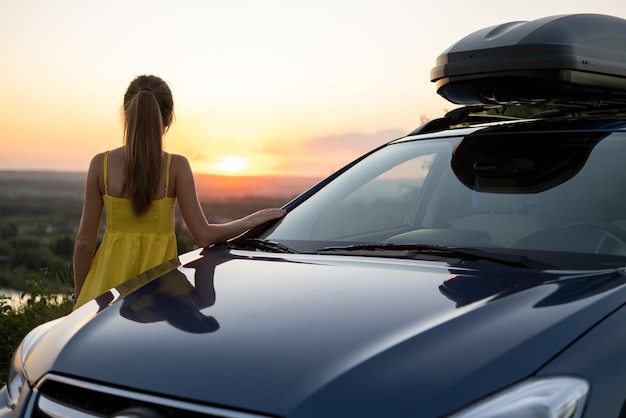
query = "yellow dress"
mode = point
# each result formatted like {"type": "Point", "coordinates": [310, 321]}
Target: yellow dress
{"type": "Point", "coordinates": [131, 244]}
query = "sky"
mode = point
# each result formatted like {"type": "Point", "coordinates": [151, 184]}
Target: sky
{"type": "Point", "coordinates": [274, 87]}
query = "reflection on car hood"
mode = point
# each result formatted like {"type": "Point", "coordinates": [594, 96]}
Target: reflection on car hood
{"type": "Point", "coordinates": [284, 334]}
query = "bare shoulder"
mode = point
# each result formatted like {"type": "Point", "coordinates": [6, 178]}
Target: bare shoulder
{"type": "Point", "coordinates": [179, 164]}
{"type": "Point", "coordinates": [116, 156]}
{"type": "Point", "coordinates": [181, 175]}
{"type": "Point", "coordinates": [179, 159]}
{"type": "Point", "coordinates": [94, 181]}
{"type": "Point", "coordinates": [98, 160]}
{"type": "Point", "coordinates": [96, 163]}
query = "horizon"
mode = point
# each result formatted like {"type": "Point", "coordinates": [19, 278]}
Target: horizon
{"type": "Point", "coordinates": [260, 88]}
{"type": "Point", "coordinates": [196, 174]}
{"type": "Point", "coordinates": [208, 186]}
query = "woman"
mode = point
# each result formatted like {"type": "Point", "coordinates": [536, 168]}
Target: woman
{"type": "Point", "coordinates": [137, 186]}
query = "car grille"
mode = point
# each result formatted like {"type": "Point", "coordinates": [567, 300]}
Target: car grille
{"type": "Point", "coordinates": [58, 396]}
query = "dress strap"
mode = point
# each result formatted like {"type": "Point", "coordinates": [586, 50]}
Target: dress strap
{"type": "Point", "coordinates": [106, 163]}
{"type": "Point", "coordinates": [167, 172]}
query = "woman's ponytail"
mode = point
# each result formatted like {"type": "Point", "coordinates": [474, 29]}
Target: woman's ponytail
{"type": "Point", "coordinates": [148, 112]}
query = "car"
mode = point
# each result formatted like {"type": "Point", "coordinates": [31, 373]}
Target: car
{"type": "Point", "coordinates": [475, 267]}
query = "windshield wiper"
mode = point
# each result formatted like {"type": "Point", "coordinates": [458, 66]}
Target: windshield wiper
{"type": "Point", "coordinates": [268, 246]}
{"type": "Point", "coordinates": [420, 250]}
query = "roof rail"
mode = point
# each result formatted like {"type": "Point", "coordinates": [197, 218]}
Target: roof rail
{"type": "Point", "coordinates": [462, 115]}
{"type": "Point", "coordinates": [476, 114]}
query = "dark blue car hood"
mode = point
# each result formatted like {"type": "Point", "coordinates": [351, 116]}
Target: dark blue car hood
{"type": "Point", "coordinates": [306, 336]}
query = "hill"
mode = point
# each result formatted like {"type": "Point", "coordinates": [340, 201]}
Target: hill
{"type": "Point", "coordinates": [41, 184]}
{"type": "Point", "coordinates": [210, 187]}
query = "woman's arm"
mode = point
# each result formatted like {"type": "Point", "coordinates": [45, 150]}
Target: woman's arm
{"type": "Point", "coordinates": [87, 237]}
{"type": "Point", "coordinates": [203, 232]}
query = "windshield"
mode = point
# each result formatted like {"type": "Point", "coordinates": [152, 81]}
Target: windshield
{"type": "Point", "coordinates": [557, 197]}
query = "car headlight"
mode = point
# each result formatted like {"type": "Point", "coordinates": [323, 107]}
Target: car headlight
{"type": "Point", "coordinates": [17, 373]}
{"type": "Point", "coordinates": [562, 397]}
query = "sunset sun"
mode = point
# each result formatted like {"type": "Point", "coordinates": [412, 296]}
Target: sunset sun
{"type": "Point", "coordinates": [232, 164]}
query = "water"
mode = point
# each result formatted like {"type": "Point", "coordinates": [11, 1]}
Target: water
{"type": "Point", "coordinates": [14, 299]}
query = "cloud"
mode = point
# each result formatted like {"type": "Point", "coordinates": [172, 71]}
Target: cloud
{"type": "Point", "coordinates": [321, 156]}
{"type": "Point", "coordinates": [355, 143]}
{"type": "Point", "coordinates": [351, 143]}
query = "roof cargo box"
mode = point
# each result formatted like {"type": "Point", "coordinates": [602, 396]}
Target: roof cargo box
{"type": "Point", "coordinates": [570, 59]}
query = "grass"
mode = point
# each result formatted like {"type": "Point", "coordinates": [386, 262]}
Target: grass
{"type": "Point", "coordinates": [42, 301]}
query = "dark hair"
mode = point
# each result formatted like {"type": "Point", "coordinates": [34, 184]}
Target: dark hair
{"type": "Point", "coordinates": [148, 112]}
